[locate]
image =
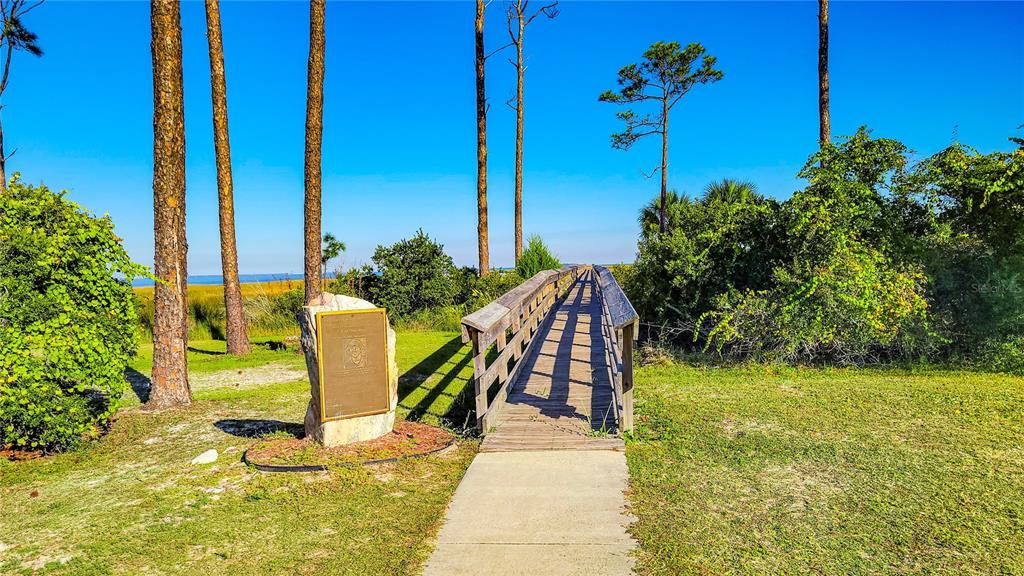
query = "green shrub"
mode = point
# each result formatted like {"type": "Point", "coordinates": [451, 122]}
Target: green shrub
{"type": "Point", "coordinates": [1005, 355]}
{"type": "Point", "coordinates": [356, 282]}
{"type": "Point", "coordinates": [728, 240]}
{"type": "Point", "coordinates": [536, 258]}
{"type": "Point", "coordinates": [464, 280]}
{"type": "Point", "coordinates": [623, 274]}
{"type": "Point", "coordinates": [288, 304]}
{"type": "Point", "coordinates": [413, 275]}
{"type": "Point", "coordinates": [489, 288]}
{"type": "Point", "coordinates": [67, 319]}
{"type": "Point", "coordinates": [853, 308]}
{"type": "Point", "coordinates": [974, 297]}
{"type": "Point", "coordinates": [444, 319]}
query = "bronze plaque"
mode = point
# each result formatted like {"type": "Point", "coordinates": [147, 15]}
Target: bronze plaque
{"type": "Point", "coordinates": [352, 348]}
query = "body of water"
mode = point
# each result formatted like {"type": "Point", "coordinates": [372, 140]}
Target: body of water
{"type": "Point", "coordinates": [218, 279]}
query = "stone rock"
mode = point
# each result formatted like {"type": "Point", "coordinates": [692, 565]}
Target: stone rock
{"type": "Point", "coordinates": [208, 457]}
{"type": "Point", "coordinates": [339, 432]}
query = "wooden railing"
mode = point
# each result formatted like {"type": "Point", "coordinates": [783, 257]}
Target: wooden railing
{"type": "Point", "coordinates": [510, 322]}
{"type": "Point", "coordinates": [619, 325]}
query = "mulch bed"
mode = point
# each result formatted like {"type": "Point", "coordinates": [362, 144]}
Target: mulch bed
{"type": "Point", "coordinates": [408, 439]}
{"type": "Point", "coordinates": [17, 455]}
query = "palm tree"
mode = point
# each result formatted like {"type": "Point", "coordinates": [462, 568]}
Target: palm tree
{"type": "Point", "coordinates": [824, 122]}
{"type": "Point", "coordinates": [332, 248]}
{"type": "Point", "coordinates": [651, 215]}
{"type": "Point", "coordinates": [481, 144]}
{"type": "Point", "coordinates": [314, 141]}
{"type": "Point", "coordinates": [236, 332]}
{"type": "Point", "coordinates": [169, 381]}
{"type": "Point", "coordinates": [731, 192]}
{"type": "Point", "coordinates": [13, 37]}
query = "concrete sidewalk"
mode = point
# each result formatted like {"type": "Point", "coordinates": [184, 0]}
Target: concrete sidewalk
{"type": "Point", "coordinates": [555, 513]}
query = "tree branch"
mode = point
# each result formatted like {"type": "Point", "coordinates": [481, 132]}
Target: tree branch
{"type": "Point", "coordinates": [549, 10]}
{"type": "Point", "coordinates": [498, 50]}
{"type": "Point", "coordinates": [652, 173]}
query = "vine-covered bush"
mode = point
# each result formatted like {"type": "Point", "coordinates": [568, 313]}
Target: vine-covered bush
{"type": "Point", "coordinates": [413, 275]}
{"type": "Point", "coordinates": [880, 257]}
{"type": "Point", "coordinates": [853, 308]}
{"type": "Point", "coordinates": [536, 258]}
{"type": "Point", "coordinates": [67, 319]}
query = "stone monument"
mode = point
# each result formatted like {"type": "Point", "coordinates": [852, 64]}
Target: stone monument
{"type": "Point", "coordinates": [353, 376]}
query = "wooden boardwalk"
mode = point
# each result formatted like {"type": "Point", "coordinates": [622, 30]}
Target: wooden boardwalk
{"type": "Point", "coordinates": [546, 495]}
{"type": "Point", "coordinates": [562, 398]}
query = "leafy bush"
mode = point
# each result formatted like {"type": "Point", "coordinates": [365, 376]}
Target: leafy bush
{"type": "Point", "coordinates": [536, 258]}
{"type": "Point", "coordinates": [465, 280]}
{"type": "Point", "coordinates": [67, 319]}
{"type": "Point", "coordinates": [1005, 355]}
{"type": "Point", "coordinates": [850, 309]}
{"type": "Point", "coordinates": [975, 297]}
{"type": "Point", "coordinates": [356, 282]}
{"type": "Point", "coordinates": [491, 287]}
{"type": "Point", "coordinates": [836, 297]}
{"type": "Point", "coordinates": [725, 241]}
{"type": "Point", "coordinates": [623, 273]}
{"type": "Point", "coordinates": [878, 258]}
{"type": "Point", "coordinates": [413, 275]}
{"type": "Point", "coordinates": [444, 319]}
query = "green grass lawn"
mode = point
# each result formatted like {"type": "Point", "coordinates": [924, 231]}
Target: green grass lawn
{"type": "Point", "coordinates": [211, 355]}
{"type": "Point", "coordinates": [741, 471]}
{"type": "Point", "coordinates": [805, 471]}
{"type": "Point", "coordinates": [131, 503]}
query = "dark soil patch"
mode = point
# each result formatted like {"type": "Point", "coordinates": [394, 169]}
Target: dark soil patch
{"type": "Point", "coordinates": [407, 439]}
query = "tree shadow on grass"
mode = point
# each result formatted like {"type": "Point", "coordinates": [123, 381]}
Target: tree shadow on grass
{"type": "Point", "coordinates": [255, 428]}
{"type": "Point", "coordinates": [435, 375]}
{"type": "Point", "coordinates": [139, 382]}
{"type": "Point", "coordinates": [272, 345]}
{"type": "Point", "coordinates": [195, 350]}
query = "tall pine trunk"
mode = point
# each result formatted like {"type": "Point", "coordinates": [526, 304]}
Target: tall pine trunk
{"type": "Point", "coordinates": [825, 127]}
{"type": "Point", "coordinates": [662, 209]}
{"type": "Point", "coordinates": [170, 296]}
{"type": "Point", "coordinates": [481, 144]}
{"type": "Point", "coordinates": [314, 141]}
{"type": "Point", "coordinates": [3, 162]}
{"type": "Point", "coordinates": [520, 74]}
{"type": "Point", "coordinates": [236, 333]}
{"type": "Point", "coordinates": [3, 87]}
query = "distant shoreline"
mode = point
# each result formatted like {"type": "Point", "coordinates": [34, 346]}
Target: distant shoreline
{"type": "Point", "coordinates": [217, 280]}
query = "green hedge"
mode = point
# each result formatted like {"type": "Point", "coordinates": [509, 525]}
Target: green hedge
{"type": "Point", "coordinates": [67, 319]}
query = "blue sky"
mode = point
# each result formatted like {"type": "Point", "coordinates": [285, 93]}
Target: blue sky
{"type": "Point", "coordinates": [399, 128]}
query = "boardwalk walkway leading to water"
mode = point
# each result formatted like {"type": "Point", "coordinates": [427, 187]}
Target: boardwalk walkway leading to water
{"type": "Point", "coordinates": [546, 494]}
{"type": "Point", "coordinates": [562, 397]}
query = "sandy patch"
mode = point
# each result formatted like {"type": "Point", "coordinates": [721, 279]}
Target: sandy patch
{"type": "Point", "coordinates": [248, 377]}
{"type": "Point", "coordinates": [274, 373]}
{"type": "Point", "coordinates": [796, 486]}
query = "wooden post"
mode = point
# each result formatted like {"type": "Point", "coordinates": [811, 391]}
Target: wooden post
{"type": "Point", "coordinates": [503, 369]}
{"type": "Point", "coordinates": [628, 332]}
{"type": "Point", "coordinates": [479, 367]}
